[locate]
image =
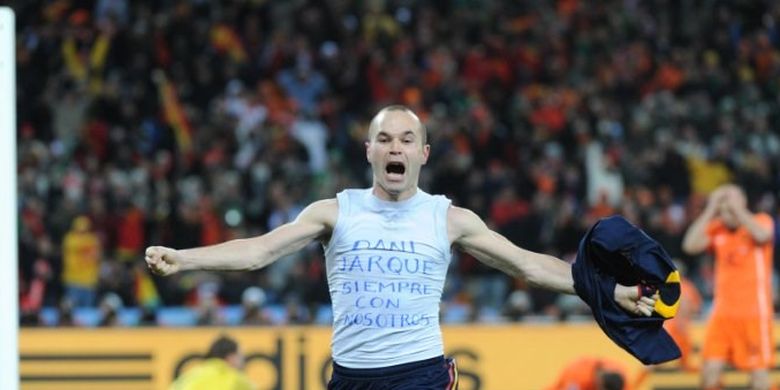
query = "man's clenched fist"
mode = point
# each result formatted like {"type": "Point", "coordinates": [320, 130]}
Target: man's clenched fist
{"type": "Point", "coordinates": [162, 260]}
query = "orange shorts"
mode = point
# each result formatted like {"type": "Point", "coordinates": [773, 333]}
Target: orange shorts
{"type": "Point", "coordinates": [745, 343]}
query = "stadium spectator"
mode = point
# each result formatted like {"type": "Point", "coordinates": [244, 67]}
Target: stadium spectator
{"type": "Point", "coordinates": [81, 257]}
{"type": "Point", "coordinates": [32, 296]}
{"type": "Point", "coordinates": [221, 369]}
{"type": "Point", "coordinates": [208, 304]}
{"type": "Point", "coordinates": [65, 309]}
{"type": "Point", "coordinates": [518, 305]}
{"type": "Point", "coordinates": [109, 307]}
{"type": "Point", "coordinates": [130, 233]}
{"type": "Point", "coordinates": [253, 302]}
{"type": "Point", "coordinates": [739, 330]}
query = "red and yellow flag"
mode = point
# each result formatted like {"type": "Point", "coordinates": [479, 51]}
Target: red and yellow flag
{"type": "Point", "coordinates": [174, 115]}
{"type": "Point", "coordinates": [225, 39]}
{"type": "Point", "coordinates": [145, 291]}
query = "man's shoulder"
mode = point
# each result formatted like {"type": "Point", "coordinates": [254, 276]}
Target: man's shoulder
{"type": "Point", "coordinates": [324, 205]}
{"type": "Point", "coordinates": [324, 211]}
{"type": "Point", "coordinates": [462, 221]}
{"type": "Point", "coordinates": [327, 202]}
{"type": "Point", "coordinates": [457, 214]}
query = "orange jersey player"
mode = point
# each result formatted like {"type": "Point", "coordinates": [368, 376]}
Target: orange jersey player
{"type": "Point", "coordinates": [591, 373]}
{"type": "Point", "coordinates": [739, 331]}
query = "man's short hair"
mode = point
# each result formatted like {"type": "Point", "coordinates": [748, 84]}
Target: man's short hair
{"type": "Point", "coordinates": [222, 347]}
{"type": "Point", "coordinates": [399, 107]}
{"type": "Point", "coordinates": [612, 381]}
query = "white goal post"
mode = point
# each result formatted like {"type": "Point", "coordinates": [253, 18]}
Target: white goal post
{"type": "Point", "coordinates": [9, 303]}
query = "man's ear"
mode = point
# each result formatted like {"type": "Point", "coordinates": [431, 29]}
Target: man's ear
{"type": "Point", "coordinates": [368, 155]}
{"type": "Point", "coordinates": [426, 153]}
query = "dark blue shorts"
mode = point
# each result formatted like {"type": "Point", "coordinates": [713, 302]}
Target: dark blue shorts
{"type": "Point", "coordinates": [431, 374]}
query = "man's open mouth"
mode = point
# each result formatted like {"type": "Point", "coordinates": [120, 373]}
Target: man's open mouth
{"type": "Point", "coordinates": [395, 169]}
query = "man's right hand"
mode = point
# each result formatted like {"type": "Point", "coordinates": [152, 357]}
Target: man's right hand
{"type": "Point", "coordinates": [162, 260]}
{"type": "Point", "coordinates": [714, 201]}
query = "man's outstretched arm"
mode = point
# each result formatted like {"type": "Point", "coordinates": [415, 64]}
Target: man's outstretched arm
{"type": "Point", "coordinates": [469, 233]}
{"type": "Point", "coordinates": [315, 222]}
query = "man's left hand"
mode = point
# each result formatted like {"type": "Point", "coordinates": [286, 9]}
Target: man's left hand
{"type": "Point", "coordinates": [629, 299]}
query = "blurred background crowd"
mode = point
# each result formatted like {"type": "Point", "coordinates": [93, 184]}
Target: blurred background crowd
{"type": "Point", "coordinates": [189, 122]}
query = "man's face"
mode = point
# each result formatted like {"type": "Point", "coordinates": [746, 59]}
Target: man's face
{"type": "Point", "coordinates": [236, 360]}
{"type": "Point", "coordinates": [396, 153]}
{"type": "Point", "coordinates": [732, 200]}
{"type": "Point", "coordinates": [726, 214]}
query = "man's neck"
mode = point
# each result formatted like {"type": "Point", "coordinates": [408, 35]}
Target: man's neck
{"type": "Point", "coordinates": [380, 193]}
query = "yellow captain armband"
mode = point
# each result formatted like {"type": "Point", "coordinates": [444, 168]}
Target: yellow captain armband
{"type": "Point", "coordinates": [668, 300]}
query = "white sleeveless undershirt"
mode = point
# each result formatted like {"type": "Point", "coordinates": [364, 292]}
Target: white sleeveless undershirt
{"type": "Point", "coordinates": [386, 264]}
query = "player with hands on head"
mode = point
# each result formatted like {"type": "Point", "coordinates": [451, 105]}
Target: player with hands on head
{"type": "Point", "coordinates": [387, 250]}
{"type": "Point", "coordinates": [739, 330]}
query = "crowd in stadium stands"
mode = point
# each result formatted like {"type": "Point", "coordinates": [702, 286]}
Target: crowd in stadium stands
{"type": "Point", "coordinates": [188, 122]}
